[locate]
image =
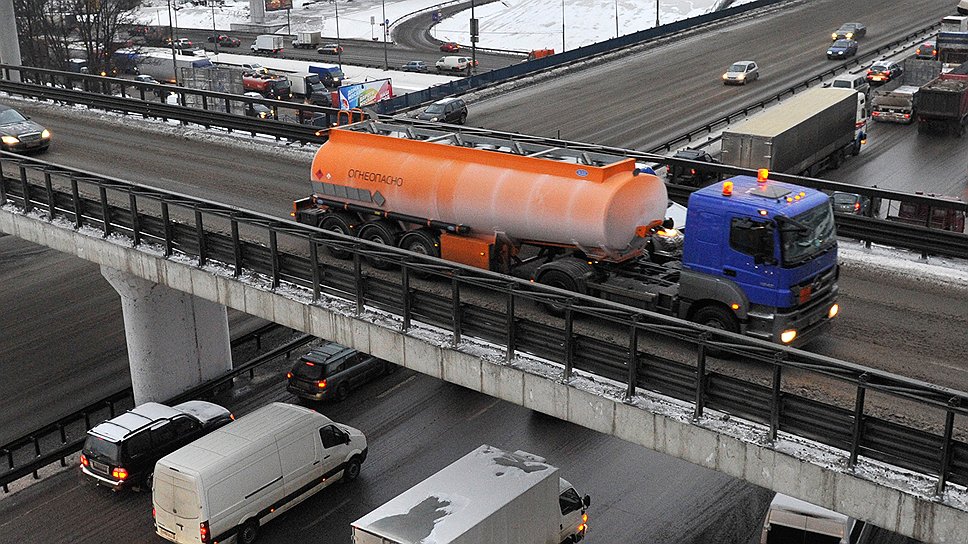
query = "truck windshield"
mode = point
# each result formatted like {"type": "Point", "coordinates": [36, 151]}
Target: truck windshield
{"type": "Point", "coordinates": [807, 234]}
{"type": "Point", "coordinates": [318, 87]}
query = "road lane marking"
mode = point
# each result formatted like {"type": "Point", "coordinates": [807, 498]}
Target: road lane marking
{"type": "Point", "coordinates": [398, 386]}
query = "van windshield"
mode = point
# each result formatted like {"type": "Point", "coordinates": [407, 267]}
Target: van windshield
{"type": "Point", "coordinates": [102, 449]}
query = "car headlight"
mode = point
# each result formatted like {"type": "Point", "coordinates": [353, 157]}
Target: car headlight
{"type": "Point", "coordinates": [833, 36]}
{"type": "Point", "coordinates": [725, 76]}
{"type": "Point", "coordinates": [45, 134]}
{"type": "Point", "coordinates": [9, 140]}
{"type": "Point", "coordinates": [741, 76]}
{"type": "Point", "coordinates": [435, 119]}
{"type": "Point", "coordinates": [830, 52]}
{"type": "Point", "coordinates": [850, 35]}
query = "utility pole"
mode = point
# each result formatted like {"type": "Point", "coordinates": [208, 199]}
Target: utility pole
{"type": "Point", "coordinates": [214, 32]}
{"type": "Point", "coordinates": [563, 26]}
{"type": "Point", "coordinates": [657, 13]}
{"type": "Point", "coordinates": [9, 42]}
{"type": "Point", "coordinates": [339, 48]}
{"type": "Point", "coordinates": [171, 38]}
{"type": "Point", "coordinates": [474, 35]}
{"type": "Point", "coordinates": [386, 36]}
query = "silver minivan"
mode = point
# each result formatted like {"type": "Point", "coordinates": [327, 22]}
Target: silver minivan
{"type": "Point", "coordinates": [857, 82]}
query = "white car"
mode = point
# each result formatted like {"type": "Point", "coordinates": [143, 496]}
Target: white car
{"type": "Point", "coordinates": [741, 73]}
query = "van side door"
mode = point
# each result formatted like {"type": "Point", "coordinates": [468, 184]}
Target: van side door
{"type": "Point", "coordinates": [298, 458]}
{"type": "Point", "coordinates": [333, 441]}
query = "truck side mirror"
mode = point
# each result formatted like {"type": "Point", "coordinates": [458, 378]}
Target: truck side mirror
{"type": "Point", "coordinates": [587, 501]}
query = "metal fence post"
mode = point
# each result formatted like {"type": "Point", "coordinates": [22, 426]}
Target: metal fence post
{"type": "Point", "coordinates": [510, 332]}
{"type": "Point", "coordinates": [858, 420]}
{"type": "Point", "coordinates": [200, 232]}
{"type": "Point", "coordinates": [167, 226]}
{"type": "Point", "coordinates": [135, 218]}
{"type": "Point", "coordinates": [569, 341]}
{"type": "Point", "coordinates": [700, 377]}
{"type": "Point", "coordinates": [3, 186]}
{"type": "Point", "coordinates": [633, 361]}
{"type": "Point", "coordinates": [105, 211]}
{"type": "Point", "coordinates": [236, 247]}
{"type": "Point", "coordinates": [949, 423]}
{"type": "Point", "coordinates": [76, 195]}
{"type": "Point", "coordinates": [776, 398]}
{"type": "Point", "coordinates": [314, 261]}
{"type": "Point", "coordinates": [26, 189]}
{"type": "Point", "coordinates": [358, 276]}
{"type": "Point", "coordinates": [405, 276]}
{"type": "Point", "coordinates": [51, 207]}
{"type": "Point", "coordinates": [456, 315]}
{"type": "Point", "coordinates": [274, 256]}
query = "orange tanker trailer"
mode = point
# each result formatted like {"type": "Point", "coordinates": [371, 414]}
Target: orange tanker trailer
{"type": "Point", "coordinates": [475, 205]}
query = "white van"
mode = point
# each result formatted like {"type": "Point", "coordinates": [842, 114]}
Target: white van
{"type": "Point", "coordinates": [454, 64]}
{"type": "Point", "coordinates": [228, 483]}
{"type": "Point", "coordinates": [857, 82]}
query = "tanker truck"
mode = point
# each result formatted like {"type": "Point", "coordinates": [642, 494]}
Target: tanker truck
{"type": "Point", "coordinates": [760, 257]}
{"type": "Point", "coordinates": [488, 495]}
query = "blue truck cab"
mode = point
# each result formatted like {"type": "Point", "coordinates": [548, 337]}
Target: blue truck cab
{"type": "Point", "coordinates": [760, 258]}
{"type": "Point", "coordinates": [330, 76]}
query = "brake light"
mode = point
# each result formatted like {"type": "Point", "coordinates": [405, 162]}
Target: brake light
{"type": "Point", "coordinates": [692, 171]}
{"type": "Point", "coordinates": [203, 531]}
{"type": "Point", "coordinates": [288, 375]}
{"type": "Point", "coordinates": [907, 115]}
{"type": "Point", "coordinates": [84, 461]}
{"type": "Point", "coordinates": [321, 384]}
{"type": "Point", "coordinates": [119, 473]}
{"type": "Point", "coordinates": [152, 512]}
{"type": "Point", "coordinates": [857, 206]}
{"type": "Point", "coordinates": [584, 518]}
{"type": "Point", "coordinates": [876, 114]}
{"type": "Point", "coordinates": [310, 364]}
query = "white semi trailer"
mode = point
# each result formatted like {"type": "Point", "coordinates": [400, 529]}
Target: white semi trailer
{"type": "Point", "coordinates": [488, 496]}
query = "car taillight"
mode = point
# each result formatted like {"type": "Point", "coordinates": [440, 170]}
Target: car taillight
{"type": "Point", "coordinates": [887, 73]}
{"type": "Point", "coordinates": [692, 171]}
{"type": "Point", "coordinates": [203, 531]}
{"type": "Point", "coordinates": [856, 206]}
{"type": "Point", "coordinates": [84, 461]}
{"type": "Point", "coordinates": [288, 375]}
{"type": "Point", "coordinates": [321, 384]}
{"type": "Point", "coordinates": [152, 512]}
{"type": "Point", "coordinates": [119, 473]}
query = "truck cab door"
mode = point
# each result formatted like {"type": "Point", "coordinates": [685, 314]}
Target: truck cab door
{"type": "Point", "coordinates": [750, 258]}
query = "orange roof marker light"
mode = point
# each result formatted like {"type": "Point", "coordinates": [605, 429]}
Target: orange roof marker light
{"type": "Point", "coordinates": [762, 174]}
{"type": "Point", "coordinates": [727, 188]}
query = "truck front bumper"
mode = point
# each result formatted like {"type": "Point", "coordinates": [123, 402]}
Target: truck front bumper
{"type": "Point", "coordinates": [809, 321]}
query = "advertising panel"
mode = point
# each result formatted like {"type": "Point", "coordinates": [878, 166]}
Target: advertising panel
{"type": "Point", "coordinates": [364, 94]}
{"type": "Point", "coordinates": [276, 5]}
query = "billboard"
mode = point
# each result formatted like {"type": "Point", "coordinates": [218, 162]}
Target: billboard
{"type": "Point", "coordinates": [276, 5]}
{"type": "Point", "coordinates": [364, 94]}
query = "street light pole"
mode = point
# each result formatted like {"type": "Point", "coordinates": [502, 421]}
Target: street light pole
{"type": "Point", "coordinates": [473, 37]}
{"type": "Point", "coordinates": [339, 50]}
{"type": "Point", "coordinates": [386, 34]}
{"type": "Point", "coordinates": [171, 39]}
{"type": "Point", "coordinates": [657, 13]}
{"type": "Point", "coordinates": [214, 31]}
{"type": "Point", "coordinates": [616, 18]}
{"type": "Point", "coordinates": [563, 26]}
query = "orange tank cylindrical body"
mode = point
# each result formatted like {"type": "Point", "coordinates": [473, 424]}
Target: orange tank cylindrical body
{"type": "Point", "coordinates": [526, 198]}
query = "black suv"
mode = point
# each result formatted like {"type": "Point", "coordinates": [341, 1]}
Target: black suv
{"type": "Point", "coordinates": [122, 451]}
{"type": "Point", "coordinates": [690, 175]}
{"type": "Point", "coordinates": [332, 371]}
{"type": "Point", "coordinates": [448, 110]}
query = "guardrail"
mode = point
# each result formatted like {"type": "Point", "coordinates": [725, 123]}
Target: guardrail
{"type": "Point", "coordinates": [743, 113]}
{"type": "Point", "coordinates": [278, 252]}
{"type": "Point", "coordinates": [292, 121]}
{"type": "Point", "coordinates": [56, 441]}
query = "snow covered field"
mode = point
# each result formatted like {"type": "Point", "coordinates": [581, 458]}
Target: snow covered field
{"type": "Point", "coordinates": [505, 24]}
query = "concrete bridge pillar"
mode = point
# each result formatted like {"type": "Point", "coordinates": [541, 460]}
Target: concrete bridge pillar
{"type": "Point", "coordinates": [9, 41]}
{"type": "Point", "coordinates": [175, 340]}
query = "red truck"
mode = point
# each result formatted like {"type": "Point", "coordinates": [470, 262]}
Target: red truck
{"type": "Point", "coordinates": [942, 103]}
{"type": "Point", "coordinates": [268, 85]}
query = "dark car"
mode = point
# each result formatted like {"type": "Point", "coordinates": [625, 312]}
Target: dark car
{"type": "Point", "coordinates": [849, 31]}
{"type": "Point", "coordinates": [689, 175]}
{"type": "Point", "coordinates": [448, 110]}
{"type": "Point", "coordinates": [225, 41]}
{"type": "Point", "coordinates": [122, 451]}
{"type": "Point", "coordinates": [883, 71]}
{"type": "Point", "coordinates": [450, 47]}
{"type": "Point", "coordinates": [842, 49]}
{"type": "Point", "coordinates": [330, 49]}
{"type": "Point", "coordinates": [855, 204]}
{"type": "Point", "coordinates": [415, 66]}
{"type": "Point", "coordinates": [332, 371]}
{"type": "Point", "coordinates": [19, 133]}
{"type": "Point", "coordinates": [258, 110]}
{"type": "Point", "coordinates": [927, 50]}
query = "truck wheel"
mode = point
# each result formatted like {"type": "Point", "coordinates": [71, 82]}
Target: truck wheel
{"type": "Point", "coordinates": [342, 223]}
{"type": "Point", "coordinates": [423, 241]}
{"type": "Point", "coordinates": [342, 392]}
{"type": "Point", "coordinates": [248, 532]}
{"type": "Point", "coordinates": [352, 470]}
{"type": "Point", "coordinates": [567, 274]}
{"type": "Point", "coordinates": [381, 232]}
{"type": "Point", "coordinates": [716, 317]}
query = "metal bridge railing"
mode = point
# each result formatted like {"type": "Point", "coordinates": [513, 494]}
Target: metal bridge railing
{"type": "Point", "coordinates": [849, 413]}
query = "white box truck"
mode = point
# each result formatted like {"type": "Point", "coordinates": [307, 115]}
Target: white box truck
{"type": "Point", "coordinates": [793, 520]}
{"type": "Point", "coordinates": [232, 481]}
{"type": "Point", "coordinates": [267, 43]}
{"type": "Point", "coordinates": [488, 496]}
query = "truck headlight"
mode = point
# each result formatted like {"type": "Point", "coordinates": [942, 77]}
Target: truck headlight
{"type": "Point", "coordinates": [9, 140]}
{"type": "Point", "coordinates": [788, 336]}
{"type": "Point", "coordinates": [834, 310]}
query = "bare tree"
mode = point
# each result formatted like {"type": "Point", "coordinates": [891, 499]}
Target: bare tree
{"type": "Point", "coordinates": [52, 30]}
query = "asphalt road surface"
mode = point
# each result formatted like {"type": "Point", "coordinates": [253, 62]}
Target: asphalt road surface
{"type": "Point", "coordinates": [888, 322]}
{"type": "Point", "coordinates": [416, 425]}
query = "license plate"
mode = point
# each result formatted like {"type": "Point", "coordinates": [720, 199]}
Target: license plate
{"type": "Point", "coordinates": [166, 530]}
{"type": "Point", "coordinates": [805, 293]}
{"type": "Point", "coordinates": [99, 467]}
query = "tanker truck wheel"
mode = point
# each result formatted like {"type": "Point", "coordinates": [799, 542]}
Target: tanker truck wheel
{"type": "Point", "coordinates": [342, 223]}
{"type": "Point", "coordinates": [568, 274]}
{"type": "Point", "coordinates": [424, 241]}
{"type": "Point", "coordinates": [380, 232]}
{"type": "Point", "coordinates": [716, 317]}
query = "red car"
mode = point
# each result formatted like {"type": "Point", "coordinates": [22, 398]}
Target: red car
{"type": "Point", "coordinates": [450, 47]}
{"type": "Point", "coordinates": [225, 41]}
{"type": "Point", "coordinates": [330, 49]}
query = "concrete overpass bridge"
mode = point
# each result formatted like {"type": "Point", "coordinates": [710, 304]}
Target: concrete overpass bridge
{"type": "Point", "coordinates": [178, 262]}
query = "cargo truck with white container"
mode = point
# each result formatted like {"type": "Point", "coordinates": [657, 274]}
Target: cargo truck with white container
{"type": "Point", "coordinates": [234, 480]}
{"type": "Point", "coordinates": [805, 134]}
{"type": "Point", "coordinates": [760, 257]}
{"type": "Point", "coordinates": [487, 496]}
{"type": "Point", "coordinates": [267, 43]}
{"type": "Point", "coordinates": [308, 87]}
{"type": "Point", "coordinates": [306, 40]}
